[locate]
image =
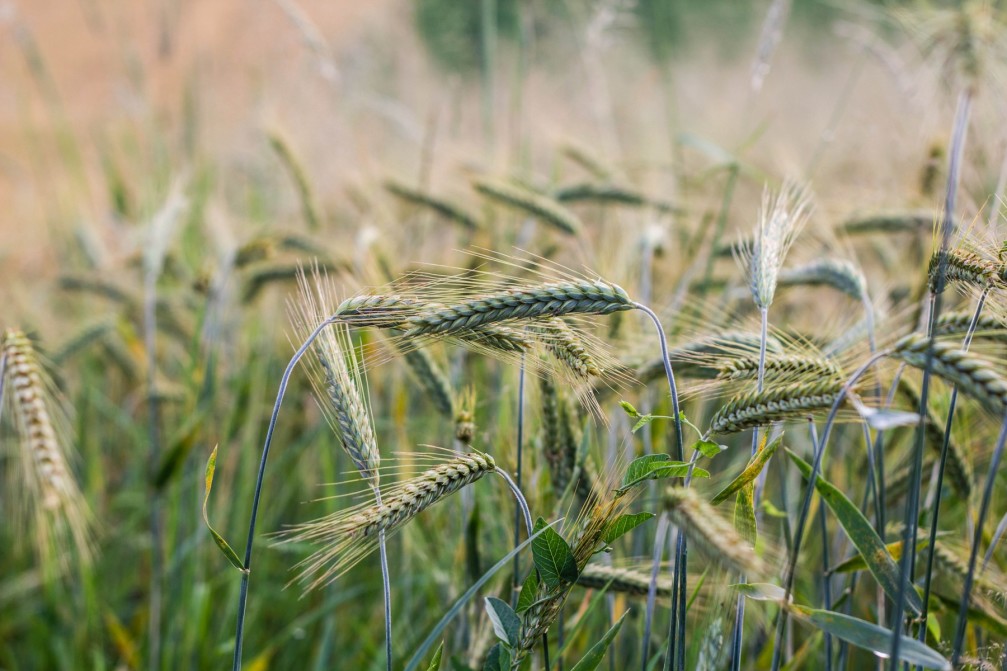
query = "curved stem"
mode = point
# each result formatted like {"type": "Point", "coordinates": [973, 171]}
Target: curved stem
{"type": "Point", "coordinates": [936, 507]}
{"type": "Point", "coordinates": [247, 566]}
{"type": "Point", "coordinates": [826, 579]}
{"type": "Point", "coordinates": [963, 610]}
{"type": "Point", "coordinates": [516, 585]}
{"type": "Point", "coordinates": [806, 503]}
{"type": "Point", "coordinates": [681, 552]}
{"type": "Point", "coordinates": [522, 502]}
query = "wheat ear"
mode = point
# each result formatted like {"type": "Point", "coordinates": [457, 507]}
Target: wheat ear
{"type": "Point", "coordinates": [971, 374]}
{"type": "Point", "coordinates": [778, 404]}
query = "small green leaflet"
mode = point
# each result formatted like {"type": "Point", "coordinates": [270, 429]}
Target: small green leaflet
{"type": "Point", "coordinates": [506, 623]}
{"type": "Point", "coordinates": [593, 658]}
{"type": "Point", "coordinates": [752, 470]}
{"type": "Point", "coordinates": [435, 663]}
{"type": "Point", "coordinates": [708, 448]}
{"type": "Point", "coordinates": [529, 592]}
{"type": "Point", "coordinates": [623, 524]}
{"type": "Point", "coordinates": [863, 536]}
{"type": "Point", "coordinates": [232, 556]}
{"type": "Point", "coordinates": [553, 557]}
{"type": "Point", "coordinates": [498, 659]}
{"type": "Point", "coordinates": [872, 637]}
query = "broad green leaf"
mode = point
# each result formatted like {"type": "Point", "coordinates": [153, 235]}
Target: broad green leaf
{"type": "Point", "coordinates": [623, 524]}
{"type": "Point", "coordinates": [593, 658]}
{"type": "Point", "coordinates": [709, 448]}
{"type": "Point", "coordinates": [864, 537]}
{"type": "Point", "coordinates": [641, 466]}
{"type": "Point", "coordinates": [506, 623]}
{"type": "Point", "coordinates": [657, 466]}
{"type": "Point", "coordinates": [752, 470]}
{"type": "Point", "coordinates": [553, 557]}
{"type": "Point", "coordinates": [872, 637]}
{"type": "Point", "coordinates": [232, 556]}
{"type": "Point", "coordinates": [529, 592]}
{"type": "Point", "coordinates": [435, 663]}
{"type": "Point", "coordinates": [934, 626]}
{"type": "Point", "coordinates": [857, 563]}
{"type": "Point", "coordinates": [761, 591]}
{"type": "Point", "coordinates": [744, 514]}
{"type": "Point", "coordinates": [498, 659]}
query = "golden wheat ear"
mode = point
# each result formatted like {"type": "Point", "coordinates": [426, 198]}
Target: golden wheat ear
{"type": "Point", "coordinates": [47, 502]}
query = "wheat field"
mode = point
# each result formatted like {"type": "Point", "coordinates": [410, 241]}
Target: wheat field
{"type": "Point", "coordinates": [503, 335]}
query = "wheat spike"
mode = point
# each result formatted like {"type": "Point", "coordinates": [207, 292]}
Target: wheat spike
{"type": "Point", "coordinates": [957, 324]}
{"type": "Point", "coordinates": [349, 535]}
{"type": "Point", "coordinates": [973, 376]}
{"type": "Point", "coordinates": [445, 209]}
{"type": "Point", "coordinates": [552, 299]}
{"type": "Point", "coordinates": [776, 404]}
{"type": "Point", "coordinates": [781, 367]}
{"type": "Point", "coordinates": [718, 538]}
{"type": "Point", "coordinates": [963, 267]}
{"type": "Point", "coordinates": [564, 343]}
{"type": "Point", "coordinates": [621, 580]}
{"type": "Point", "coordinates": [539, 206]}
{"type": "Point", "coordinates": [839, 274]}
{"type": "Point", "coordinates": [433, 380]}
{"type": "Point", "coordinates": [46, 495]}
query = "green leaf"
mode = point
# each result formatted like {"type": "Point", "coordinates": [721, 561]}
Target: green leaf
{"type": "Point", "coordinates": [630, 410]}
{"type": "Point", "coordinates": [232, 556]}
{"type": "Point", "coordinates": [744, 514]}
{"type": "Point", "coordinates": [864, 537]}
{"type": "Point", "coordinates": [506, 623]}
{"type": "Point", "coordinates": [709, 448]}
{"type": "Point", "coordinates": [623, 524]}
{"type": "Point", "coordinates": [641, 422]}
{"type": "Point", "coordinates": [872, 637]}
{"type": "Point", "coordinates": [529, 591]}
{"type": "Point", "coordinates": [553, 557]}
{"type": "Point", "coordinates": [498, 659]}
{"type": "Point", "coordinates": [593, 658]}
{"type": "Point", "coordinates": [752, 470]}
{"type": "Point", "coordinates": [655, 467]}
{"type": "Point", "coordinates": [435, 663]}
{"type": "Point", "coordinates": [641, 466]}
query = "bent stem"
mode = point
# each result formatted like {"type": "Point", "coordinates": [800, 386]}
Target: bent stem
{"type": "Point", "coordinates": [788, 581]}
{"type": "Point", "coordinates": [936, 507]}
{"type": "Point", "coordinates": [679, 581]}
{"type": "Point", "coordinates": [963, 609]}
{"type": "Point", "coordinates": [247, 565]}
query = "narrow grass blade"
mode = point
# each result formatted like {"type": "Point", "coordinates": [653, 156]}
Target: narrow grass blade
{"type": "Point", "coordinates": [879, 561]}
{"type": "Point", "coordinates": [593, 658]}
{"type": "Point", "coordinates": [871, 637]}
{"type": "Point", "coordinates": [232, 556]}
{"type": "Point", "coordinates": [751, 472]}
